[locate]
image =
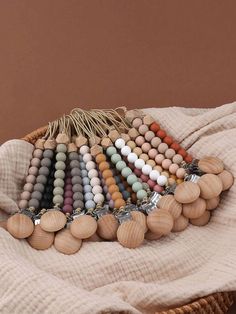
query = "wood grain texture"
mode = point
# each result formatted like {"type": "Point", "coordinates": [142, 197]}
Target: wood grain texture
{"type": "Point", "coordinates": [20, 226]}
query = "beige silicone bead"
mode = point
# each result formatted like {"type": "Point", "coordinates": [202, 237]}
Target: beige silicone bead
{"type": "Point", "coordinates": [131, 144]}
{"type": "Point", "coordinates": [133, 133]}
{"type": "Point", "coordinates": [138, 151]}
{"type": "Point", "coordinates": [148, 120]}
{"type": "Point", "coordinates": [151, 163]}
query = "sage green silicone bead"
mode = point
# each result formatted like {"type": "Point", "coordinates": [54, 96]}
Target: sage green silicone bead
{"type": "Point", "coordinates": [58, 199]}
{"type": "Point", "coordinates": [126, 172]}
{"type": "Point", "coordinates": [115, 158]}
{"type": "Point", "coordinates": [141, 194]}
{"type": "Point", "coordinates": [120, 165]}
{"type": "Point", "coordinates": [61, 157]}
{"type": "Point", "coordinates": [137, 186]}
{"type": "Point", "coordinates": [131, 179]}
{"type": "Point", "coordinates": [111, 151]}
{"type": "Point", "coordinates": [60, 165]}
{"type": "Point", "coordinates": [61, 148]}
{"type": "Point", "coordinates": [59, 174]}
{"type": "Point", "coordinates": [58, 191]}
{"type": "Point", "coordinates": [59, 183]}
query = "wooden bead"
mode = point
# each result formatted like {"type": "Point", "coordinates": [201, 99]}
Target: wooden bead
{"type": "Point", "coordinates": [65, 242]}
{"type": "Point", "coordinates": [160, 221]}
{"type": "Point", "coordinates": [107, 227]}
{"type": "Point", "coordinates": [210, 186]}
{"type": "Point", "coordinates": [50, 144]}
{"type": "Point", "coordinates": [118, 203]}
{"type": "Point", "coordinates": [3, 224]}
{"type": "Point", "coordinates": [113, 135]}
{"type": "Point", "coordinates": [83, 227]}
{"type": "Point", "coordinates": [169, 203]}
{"type": "Point", "coordinates": [227, 179]}
{"type": "Point", "coordinates": [201, 221]}
{"type": "Point", "coordinates": [52, 221]}
{"type": "Point", "coordinates": [62, 138]}
{"type": "Point", "coordinates": [140, 218]}
{"type": "Point", "coordinates": [93, 140]}
{"type": "Point", "coordinates": [125, 137]}
{"type": "Point", "coordinates": [186, 192]}
{"type": "Point", "coordinates": [95, 150]}
{"type": "Point", "coordinates": [133, 133]}
{"type": "Point", "coordinates": [71, 148]}
{"type": "Point", "coordinates": [20, 226]}
{"type": "Point", "coordinates": [212, 203]}
{"type": "Point", "coordinates": [148, 120]}
{"type": "Point", "coordinates": [40, 239]}
{"type": "Point", "coordinates": [130, 115]}
{"type": "Point", "coordinates": [180, 224]}
{"type": "Point", "coordinates": [39, 144]}
{"type": "Point", "coordinates": [130, 234]}
{"type": "Point", "coordinates": [211, 165]}
{"type": "Point", "coordinates": [149, 235]}
{"type": "Point", "coordinates": [194, 209]}
{"type": "Point", "coordinates": [106, 142]}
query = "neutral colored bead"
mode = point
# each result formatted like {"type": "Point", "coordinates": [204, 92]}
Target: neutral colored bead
{"type": "Point", "coordinates": [35, 162]}
{"type": "Point", "coordinates": [146, 147]}
{"type": "Point", "coordinates": [58, 191]}
{"type": "Point", "coordinates": [151, 163]}
{"type": "Point", "coordinates": [133, 133]}
{"type": "Point", "coordinates": [149, 136]}
{"type": "Point", "coordinates": [152, 153]}
{"type": "Point", "coordinates": [132, 157]}
{"type": "Point", "coordinates": [97, 189]}
{"type": "Point", "coordinates": [140, 140]}
{"type": "Point", "coordinates": [25, 195]}
{"type": "Point", "coordinates": [159, 158]}
{"type": "Point", "coordinates": [138, 151]}
{"type": "Point", "coordinates": [73, 156]}
{"type": "Point", "coordinates": [87, 157]}
{"type": "Point", "coordinates": [158, 168]}
{"type": "Point", "coordinates": [162, 148]}
{"type": "Point", "coordinates": [46, 162]}
{"type": "Point", "coordinates": [84, 173]}
{"type": "Point", "coordinates": [139, 163]}
{"type": "Point", "coordinates": [170, 153]}
{"type": "Point", "coordinates": [201, 221]}
{"type": "Point", "coordinates": [28, 187]}
{"type": "Point", "coordinates": [148, 120]}
{"type": "Point", "coordinates": [37, 195]}
{"type": "Point", "coordinates": [59, 174]}
{"type": "Point", "coordinates": [88, 196]}
{"type": "Point", "coordinates": [40, 179]}
{"type": "Point", "coordinates": [131, 179]}
{"type": "Point", "coordinates": [88, 188]}
{"type": "Point", "coordinates": [146, 169]}
{"type": "Point", "coordinates": [82, 165]}
{"type": "Point", "coordinates": [95, 181]}
{"type": "Point", "coordinates": [180, 224]}
{"type": "Point", "coordinates": [74, 164]}
{"type": "Point", "coordinates": [75, 172]}
{"type": "Point", "coordinates": [38, 153]}
{"type": "Point", "coordinates": [84, 149]}
{"type": "Point", "coordinates": [210, 186]}
{"type": "Point", "coordinates": [187, 192]}
{"type": "Point", "coordinates": [144, 157]}
{"type": "Point", "coordinates": [59, 183]}
{"type": "Point", "coordinates": [90, 204]}
{"type": "Point", "coordinates": [61, 157]}
{"type": "Point", "coordinates": [90, 165]}
{"type": "Point", "coordinates": [61, 148]}
{"type": "Point", "coordinates": [137, 186]}
{"type": "Point", "coordinates": [180, 173]}
{"type": "Point", "coordinates": [143, 129]}
{"type": "Point", "coordinates": [131, 144]}
{"type": "Point", "coordinates": [155, 142]}
{"type": "Point", "coordinates": [44, 171]}
{"type": "Point", "coordinates": [76, 180]}
{"type": "Point", "coordinates": [33, 170]}
{"type": "Point", "coordinates": [77, 188]}
{"type": "Point", "coordinates": [162, 180]}
{"type": "Point", "coordinates": [177, 159]}
{"type": "Point", "coordinates": [194, 209]}
{"type": "Point", "coordinates": [78, 204]}
{"type": "Point", "coordinates": [60, 165]}
{"type": "Point", "coordinates": [160, 221]}
{"type": "Point", "coordinates": [141, 194]}
{"type": "Point", "coordinates": [98, 198]}
{"type": "Point", "coordinates": [126, 172]}
{"type": "Point", "coordinates": [78, 196]}
{"type": "Point", "coordinates": [165, 173]}
{"type": "Point", "coordinates": [227, 179]}
{"type": "Point", "coordinates": [173, 168]}
{"type": "Point", "coordinates": [169, 203]}
{"type": "Point", "coordinates": [93, 173]}
{"type": "Point", "coordinates": [137, 122]}
{"type": "Point", "coordinates": [58, 199]}
{"type": "Point", "coordinates": [119, 143]}
{"type": "Point", "coordinates": [212, 203]}
{"type": "Point", "coordinates": [111, 151]}
{"type": "Point", "coordinates": [23, 204]}
{"type": "Point", "coordinates": [39, 144]}
{"type": "Point", "coordinates": [113, 135]}
{"type": "Point", "coordinates": [33, 203]}
{"type": "Point", "coordinates": [166, 163]}
{"type": "Point", "coordinates": [115, 158]}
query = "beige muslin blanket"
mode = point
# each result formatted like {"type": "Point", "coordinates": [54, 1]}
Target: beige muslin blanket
{"type": "Point", "coordinates": [104, 277]}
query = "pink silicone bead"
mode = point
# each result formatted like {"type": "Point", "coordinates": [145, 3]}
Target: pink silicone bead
{"type": "Point", "coordinates": [23, 204]}
{"type": "Point", "coordinates": [25, 195]}
{"type": "Point", "coordinates": [173, 168]}
{"type": "Point", "coordinates": [138, 172]}
{"type": "Point", "coordinates": [149, 136]}
{"type": "Point", "coordinates": [143, 129]}
{"type": "Point", "coordinates": [140, 140]}
{"type": "Point", "coordinates": [170, 152]}
{"type": "Point", "coordinates": [157, 188]}
{"type": "Point", "coordinates": [146, 147]}
{"type": "Point", "coordinates": [137, 122]}
{"type": "Point", "coordinates": [180, 173]}
{"type": "Point", "coordinates": [162, 148]}
{"type": "Point", "coordinates": [33, 170]}
{"type": "Point", "coordinates": [159, 158]}
{"type": "Point", "coordinates": [68, 180]}
{"type": "Point", "coordinates": [166, 163]}
{"type": "Point", "coordinates": [38, 153]}
{"type": "Point", "coordinates": [131, 166]}
{"type": "Point", "coordinates": [155, 142]}
{"type": "Point", "coordinates": [30, 179]}
{"type": "Point", "coordinates": [144, 178]}
{"type": "Point", "coordinates": [152, 153]}
{"type": "Point", "coordinates": [151, 183]}
{"type": "Point", "coordinates": [35, 162]}
{"type": "Point", "coordinates": [28, 187]}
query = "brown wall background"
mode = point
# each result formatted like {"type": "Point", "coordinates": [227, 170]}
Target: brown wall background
{"type": "Point", "coordinates": [58, 54]}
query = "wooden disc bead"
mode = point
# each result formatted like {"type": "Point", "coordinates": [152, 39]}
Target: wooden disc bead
{"type": "Point", "coordinates": [107, 227]}
{"type": "Point", "coordinates": [210, 186]}
{"type": "Point", "coordinates": [83, 227]}
{"type": "Point", "coordinates": [141, 219]}
{"type": "Point", "coordinates": [160, 221]}
{"type": "Point", "coordinates": [65, 242]}
{"type": "Point", "coordinates": [20, 226]}
{"type": "Point", "coordinates": [40, 239]}
{"type": "Point", "coordinates": [53, 221]}
{"type": "Point", "coordinates": [227, 179]}
{"type": "Point", "coordinates": [212, 203]}
{"type": "Point", "coordinates": [211, 165]}
{"type": "Point", "coordinates": [201, 221]}
{"type": "Point", "coordinates": [194, 209]}
{"type": "Point", "coordinates": [186, 192]}
{"type": "Point", "coordinates": [130, 234]}
{"type": "Point", "coordinates": [149, 235]}
{"type": "Point", "coordinates": [3, 224]}
{"type": "Point", "coordinates": [169, 203]}
{"type": "Point", "coordinates": [180, 224]}
{"type": "Point", "coordinates": [94, 238]}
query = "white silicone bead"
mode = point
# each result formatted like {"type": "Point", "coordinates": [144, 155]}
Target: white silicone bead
{"type": "Point", "coordinates": [146, 169]}
{"type": "Point", "coordinates": [84, 149]}
{"type": "Point", "coordinates": [154, 174]}
{"type": "Point", "coordinates": [126, 150]}
{"type": "Point", "coordinates": [139, 163]}
{"type": "Point", "coordinates": [98, 198]}
{"type": "Point", "coordinates": [87, 157]}
{"type": "Point", "coordinates": [90, 165]}
{"type": "Point", "coordinates": [132, 157]}
{"type": "Point", "coordinates": [119, 143]}
{"type": "Point", "coordinates": [162, 180]}
{"type": "Point", "coordinates": [92, 173]}
{"type": "Point", "coordinates": [95, 181]}
{"type": "Point", "coordinates": [97, 189]}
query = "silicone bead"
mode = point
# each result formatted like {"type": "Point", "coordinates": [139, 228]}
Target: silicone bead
{"type": "Point", "coordinates": [119, 143]}
{"type": "Point", "coordinates": [73, 156]}
{"type": "Point", "coordinates": [161, 134]}
{"type": "Point", "coordinates": [162, 180]}
{"type": "Point", "coordinates": [88, 196]}
{"type": "Point", "coordinates": [90, 165]}
{"type": "Point", "coordinates": [132, 157]}
{"type": "Point", "coordinates": [97, 189]}
{"type": "Point", "coordinates": [61, 157]}
{"type": "Point", "coordinates": [87, 157]}
{"type": "Point", "coordinates": [84, 149]}
{"type": "Point", "coordinates": [137, 186]}
{"type": "Point", "coordinates": [159, 158]}
{"type": "Point", "coordinates": [120, 165]}
{"type": "Point", "coordinates": [169, 153]}
{"type": "Point", "coordinates": [177, 159]}
{"type": "Point", "coordinates": [143, 129]}
{"type": "Point", "coordinates": [93, 173]}
{"type": "Point", "coordinates": [33, 203]}
{"type": "Point", "coordinates": [100, 158]}
{"type": "Point", "coordinates": [166, 163]}
{"type": "Point", "coordinates": [140, 140]}
{"type": "Point", "coordinates": [38, 153]}
{"type": "Point", "coordinates": [111, 151]}
{"type": "Point", "coordinates": [58, 199]}
{"type": "Point", "coordinates": [86, 180]}
{"type": "Point", "coordinates": [139, 163]}
{"type": "Point", "coordinates": [74, 164]}
{"type": "Point", "coordinates": [60, 165]}
{"type": "Point", "coordinates": [126, 150]}
{"type": "Point", "coordinates": [40, 179]}
{"type": "Point", "coordinates": [76, 180]}
{"type": "Point", "coordinates": [35, 162]}
{"type": "Point", "coordinates": [152, 153]}
{"type": "Point", "coordinates": [90, 204]}
{"type": "Point", "coordinates": [46, 162]}
{"type": "Point", "coordinates": [149, 136]}
{"type": "Point", "coordinates": [99, 198]}
{"type": "Point", "coordinates": [168, 140]}
{"type": "Point", "coordinates": [131, 179]}
{"type": "Point", "coordinates": [126, 172]}
{"type": "Point", "coordinates": [25, 195]}
{"type": "Point", "coordinates": [137, 122]}
{"type": "Point", "coordinates": [154, 127]}
{"type": "Point", "coordinates": [78, 204]}
{"type": "Point", "coordinates": [131, 144]}
{"type": "Point", "coordinates": [119, 203]}
{"type": "Point", "coordinates": [141, 194]}
{"type": "Point", "coordinates": [61, 148]}
{"type": "Point", "coordinates": [146, 169]}
{"type": "Point", "coordinates": [44, 171]}
{"type": "Point", "coordinates": [155, 142]}
{"type": "Point", "coordinates": [95, 181]}
{"type": "Point", "coordinates": [29, 187]}
{"type": "Point", "coordinates": [115, 158]}
{"type": "Point", "coordinates": [76, 195]}
{"type": "Point", "coordinates": [58, 191]}
{"type": "Point", "coordinates": [175, 146]}
{"type": "Point", "coordinates": [59, 174]}
{"type": "Point", "coordinates": [154, 174]}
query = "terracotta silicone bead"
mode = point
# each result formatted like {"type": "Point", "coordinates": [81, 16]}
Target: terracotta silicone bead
{"type": "Point", "coordinates": [154, 127]}
{"type": "Point", "coordinates": [161, 134]}
{"type": "Point", "coordinates": [195, 209]}
{"type": "Point", "coordinates": [143, 129]}
{"type": "Point", "coordinates": [140, 140]}
{"type": "Point", "coordinates": [182, 152]}
{"type": "Point", "coordinates": [188, 158]}
{"type": "Point", "coordinates": [110, 181]}
{"type": "Point", "coordinates": [137, 122]}
{"type": "Point", "coordinates": [155, 142]}
{"type": "Point", "coordinates": [149, 136]}
{"type": "Point", "coordinates": [119, 203]}
{"type": "Point", "coordinates": [168, 140]}
{"type": "Point", "coordinates": [103, 165]}
{"type": "Point", "coordinates": [113, 188]}
{"type": "Point", "coordinates": [175, 146]}
{"type": "Point", "coordinates": [107, 174]}
{"type": "Point", "coordinates": [100, 158]}
{"type": "Point", "coordinates": [146, 147]}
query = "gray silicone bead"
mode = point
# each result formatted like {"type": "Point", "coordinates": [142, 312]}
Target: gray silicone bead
{"type": "Point", "coordinates": [37, 195]}
{"type": "Point", "coordinates": [39, 187]}
{"type": "Point", "coordinates": [46, 162]}
{"type": "Point", "coordinates": [44, 171]}
{"type": "Point", "coordinates": [73, 156]}
{"type": "Point", "coordinates": [82, 165]}
{"type": "Point", "coordinates": [41, 179]}
{"type": "Point", "coordinates": [58, 191]}
{"type": "Point", "coordinates": [58, 199]}
{"type": "Point", "coordinates": [74, 164]}
{"type": "Point", "coordinates": [59, 174]}
{"type": "Point", "coordinates": [86, 181]}
{"type": "Point", "coordinates": [78, 204]}
{"type": "Point", "coordinates": [61, 157]}
{"type": "Point", "coordinates": [33, 203]}
{"type": "Point", "coordinates": [61, 148]}
{"type": "Point", "coordinates": [88, 196]}
{"type": "Point", "coordinates": [48, 153]}
{"type": "Point", "coordinates": [90, 204]}
{"type": "Point", "coordinates": [84, 173]}
{"type": "Point", "coordinates": [76, 179]}
{"type": "Point", "coordinates": [77, 188]}
{"type": "Point", "coordinates": [80, 158]}
{"type": "Point", "coordinates": [59, 183]}
{"type": "Point", "coordinates": [60, 165]}
{"type": "Point", "coordinates": [78, 196]}
{"type": "Point", "coordinates": [75, 172]}
{"type": "Point", "coordinates": [87, 188]}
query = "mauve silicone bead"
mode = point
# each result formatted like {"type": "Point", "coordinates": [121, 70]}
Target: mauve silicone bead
{"type": "Point", "coordinates": [38, 153]}
{"type": "Point", "coordinates": [152, 153]}
{"type": "Point", "coordinates": [137, 122]}
{"type": "Point", "coordinates": [74, 164]}
{"type": "Point", "coordinates": [144, 178]}
{"type": "Point", "coordinates": [37, 195]}
{"type": "Point", "coordinates": [61, 148]}
{"type": "Point", "coordinates": [75, 172]}
{"type": "Point", "coordinates": [35, 162]}
{"type": "Point", "coordinates": [166, 163]}
{"type": "Point", "coordinates": [105, 189]}
{"type": "Point", "coordinates": [68, 187]}
{"type": "Point", "coordinates": [25, 195]}
{"type": "Point", "coordinates": [44, 171]}
{"type": "Point", "coordinates": [68, 194]}
{"type": "Point", "coordinates": [138, 172]}
{"type": "Point", "coordinates": [111, 204]}
{"type": "Point", "coordinates": [173, 168]}
{"type": "Point", "coordinates": [41, 179]}
{"type": "Point", "coordinates": [46, 162]}
{"type": "Point", "coordinates": [67, 209]}
{"type": "Point", "coordinates": [68, 201]}
{"type": "Point", "coordinates": [157, 188]}
{"type": "Point", "coordinates": [33, 203]}
{"type": "Point", "coordinates": [48, 153]}
{"type": "Point", "coordinates": [151, 183]}
{"type": "Point", "coordinates": [108, 196]}
{"type": "Point", "coordinates": [33, 170]}
{"type": "Point", "coordinates": [23, 204]}
{"type": "Point", "coordinates": [28, 187]}
{"type": "Point", "coordinates": [76, 180]}
{"type": "Point", "coordinates": [78, 204]}
{"type": "Point", "coordinates": [68, 180]}
{"type": "Point", "coordinates": [73, 156]}
{"type": "Point", "coordinates": [77, 188]}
